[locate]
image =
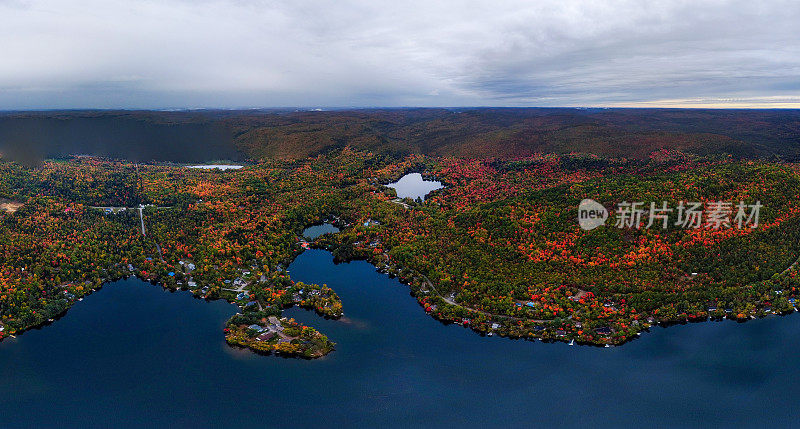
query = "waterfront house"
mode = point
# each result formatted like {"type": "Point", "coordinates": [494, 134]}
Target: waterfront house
{"type": "Point", "coordinates": [266, 336]}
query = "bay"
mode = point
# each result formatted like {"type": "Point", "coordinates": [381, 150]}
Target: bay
{"type": "Point", "coordinates": [134, 355]}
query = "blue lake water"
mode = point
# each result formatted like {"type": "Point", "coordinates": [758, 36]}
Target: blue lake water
{"type": "Point", "coordinates": [413, 186]}
{"type": "Point", "coordinates": [134, 355]}
{"type": "Point", "coordinates": [315, 231]}
{"type": "Point", "coordinates": [216, 167]}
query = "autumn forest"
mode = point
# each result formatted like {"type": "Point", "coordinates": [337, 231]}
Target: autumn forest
{"type": "Point", "coordinates": [524, 268]}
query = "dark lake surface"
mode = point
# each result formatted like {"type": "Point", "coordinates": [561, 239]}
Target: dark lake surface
{"type": "Point", "coordinates": [315, 231]}
{"type": "Point", "coordinates": [134, 355]}
{"type": "Point", "coordinates": [413, 186]}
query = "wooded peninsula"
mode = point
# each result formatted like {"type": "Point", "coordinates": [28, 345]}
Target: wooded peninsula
{"type": "Point", "coordinates": [498, 249]}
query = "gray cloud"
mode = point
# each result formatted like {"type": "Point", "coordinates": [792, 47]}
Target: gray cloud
{"type": "Point", "coordinates": [181, 53]}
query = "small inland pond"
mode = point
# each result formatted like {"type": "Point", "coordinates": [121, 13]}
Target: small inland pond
{"type": "Point", "coordinates": [315, 231]}
{"type": "Point", "coordinates": [413, 186]}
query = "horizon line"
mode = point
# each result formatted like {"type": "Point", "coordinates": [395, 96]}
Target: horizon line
{"type": "Point", "coordinates": [643, 106]}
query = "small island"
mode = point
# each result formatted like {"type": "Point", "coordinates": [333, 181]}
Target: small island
{"type": "Point", "coordinates": [497, 249]}
{"type": "Point", "coordinates": [268, 334]}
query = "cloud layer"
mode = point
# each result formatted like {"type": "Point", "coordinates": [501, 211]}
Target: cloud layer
{"type": "Point", "coordinates": [236, 53]}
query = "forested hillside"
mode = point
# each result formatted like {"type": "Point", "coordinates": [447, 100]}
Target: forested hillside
{"type": "Point", "coordinates": [198, 136]}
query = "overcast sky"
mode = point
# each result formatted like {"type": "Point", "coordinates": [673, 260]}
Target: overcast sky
{"type": "Point", "coordinates": [231, 54]}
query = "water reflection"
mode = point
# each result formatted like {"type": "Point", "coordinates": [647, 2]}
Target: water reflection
{"type": "Point", "coordinates": [133, 355]}
{"type": "Point", "coordinates": [413, 186]}
{"type": "Point", "coordinates": [315, 231]}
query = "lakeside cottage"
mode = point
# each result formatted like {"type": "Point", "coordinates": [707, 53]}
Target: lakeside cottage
{"type": "Point", "coordinates": [603, 331]}
{"type": "Point", "coordinates": [266, 336]}
{"type": "Point", "coordinates": [257, 328]}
